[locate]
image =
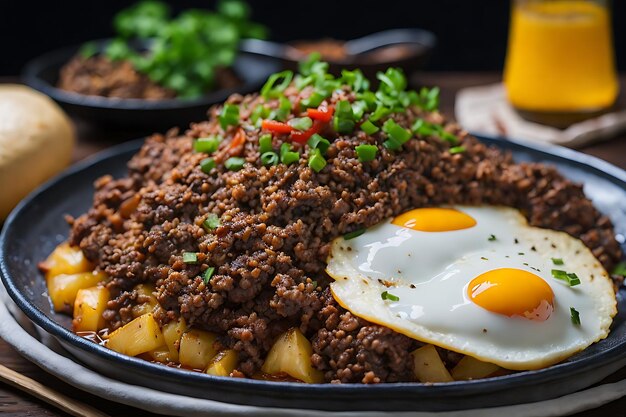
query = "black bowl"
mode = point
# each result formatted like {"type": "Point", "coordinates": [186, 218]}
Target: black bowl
{"type": "Point", "coordinates": [42, 74]}
{"type": "Point", "coordinates": [36, 226]}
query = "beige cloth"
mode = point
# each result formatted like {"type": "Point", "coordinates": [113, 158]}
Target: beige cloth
{"type": "Point", "coordinates": [485, 110]}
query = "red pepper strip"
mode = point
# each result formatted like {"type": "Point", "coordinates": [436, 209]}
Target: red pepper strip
{"type": "Point", "coordinates": [321, 113]}
{"type": "Point", "coordinates": [276, 127]}
{"type": "Point", "coordinates": [303, 137]}
{"type": "Point", "coordinates": [234, 148]}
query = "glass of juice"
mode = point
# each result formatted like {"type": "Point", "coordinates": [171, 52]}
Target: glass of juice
{"type": "Point", "coordinates": [560, 65]}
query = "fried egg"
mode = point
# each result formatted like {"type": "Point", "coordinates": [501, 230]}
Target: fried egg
{"type": "Point", "coordinates": [478, 281]}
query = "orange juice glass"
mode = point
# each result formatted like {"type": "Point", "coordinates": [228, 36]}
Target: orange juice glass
{"type": "Point", "coordinates": [560, 57]}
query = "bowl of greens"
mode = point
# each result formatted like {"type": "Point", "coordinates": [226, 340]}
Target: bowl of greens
{"type": "Point", "coordinates": [160, 70]}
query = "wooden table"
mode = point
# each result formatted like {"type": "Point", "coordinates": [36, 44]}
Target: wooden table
{"type": "Point", "coordinates": [91, 139]}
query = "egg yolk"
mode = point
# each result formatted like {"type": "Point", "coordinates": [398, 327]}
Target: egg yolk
{"type": "Point", "coordinates": [433, 219]}
{"type": "Point", "coordinates": [512, 292]}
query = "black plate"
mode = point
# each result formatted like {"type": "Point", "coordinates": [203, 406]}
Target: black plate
{"type": "Point", "coordinates": [36, 226]}
{"type": "Point", "coordinates": [42, 74]}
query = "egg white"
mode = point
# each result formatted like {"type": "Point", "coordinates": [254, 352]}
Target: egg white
{"type": "Point", "coordinates": [430, 272]}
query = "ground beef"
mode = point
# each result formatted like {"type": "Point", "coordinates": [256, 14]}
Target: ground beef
{"type": "Point", "coordinates": [276, 226]}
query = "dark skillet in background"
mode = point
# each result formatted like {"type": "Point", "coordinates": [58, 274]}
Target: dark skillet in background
{"type": "Point", "coordinates": [36, 226]}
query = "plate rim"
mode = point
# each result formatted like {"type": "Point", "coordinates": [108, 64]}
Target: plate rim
{"type": "Point", "coordinates": [451, 389]}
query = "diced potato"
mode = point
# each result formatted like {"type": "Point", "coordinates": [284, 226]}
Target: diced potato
{"type": "Point", "coordinates": [160, 354]}
{"type": "Point", "coordinates": [472, 368]}
{"type": "Point", "coordinates": [291, 354]}
{"type": "Point", "coordinates": [223, 363]}
{"type": "Point", "coordinates": [145, 290]}
{"type": "Point", "coordinates": [428, 366]}
{"type": "Point", "coordinates": [172, 332]}
{"type": "Point", "coordinates": [139, 336]}
{"type": "Point", "coordinates": [89, 305]}
{"type": "Point", "coordinates": [65, 259]}
{"type": "Point", "coordinates": [63, 288]}
{"type": "Point", "coordinates": [196, 349]}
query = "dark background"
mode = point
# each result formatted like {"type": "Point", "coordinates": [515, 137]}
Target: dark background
{"type": "Point", "coordinates": [472, 34]}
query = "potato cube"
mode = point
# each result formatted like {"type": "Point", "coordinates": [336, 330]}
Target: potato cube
{"type": "Point", "coordinates": [472, 368]}
{"type": "Point", "coordinates": [160, 354]}
{"type": "Point", "coordinates": [88, 308]}
{"type": "Point", "coordinates": [291, 354]}
{"type": "Point", "coordinates": [172, 332]}
{"type": "Point", "coordinates": [139, 336]}
{"type": "Point", "coordinates": [63, 288]}
{"type": "Point", "coordinates": [65, 259]}
{"type": "Point", "coordinates": [428, 366]}
{"type": "Point", "coordinates": [196, 349]}
{"type": "Point", "coordinates": [223, 363]}
{"type": "Point", "coordinates": [147, 306]}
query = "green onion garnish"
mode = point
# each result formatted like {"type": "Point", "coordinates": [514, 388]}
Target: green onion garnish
{"type": "Point", "coordinates": [269, 158]}
{"type": "Point", "coordinates": [380, 112]}
{"type": "Point", "coordinates": [229, 115]}
{"type": "Point", "coordinates": [301, 123]}
{"type": "Point", "coordinates": [316, 160]}
{"type": "Point", "coordinates": [234, 163]}
{"type": "Point", "coordinates": [314, 100]}
{"type": "Point", "coordinates": [366, 153]}
{"type": "Point", "coordinates": [369, 127]}
{"type": "Point", "coordinates": [273, 90]}
{"type": "Point", "coordinates": [211, 222]}
{"type": "Point", "coordinates": [343, 122]}
{"type": "Point", "coordinates": [392, 144]}
{"type": "Point", "coordinates": [358, 109]}
{"type": "Point", "coordinates": [396, 132]}
{"type": "Point", "coordinates": [571, 278]}
{"type": "Point", "coordinates": [575, 316]}
{"type": "Point", "coordinates": [190, 257]}
{"type": "Point", "coordinates": [352, 235]}
{"type": "Point", "coordinates": [207, 164]}
{"type": "Point", "coordinates": [557, 261]}
{"type": "Point", "coordinates": [265, 143]}
{"type": "Point", "coordinates": [385, 295]}
{"type": "Point", "coordinates": [457, 149]}
{"type": "Point", "coordinates": [316, 141]}
{"type": "Point", "coordinates": [258, 113]}
{"type": "Point", "coordinates": [206, 277]}
{"type": "Point", "coordinates": [491, 238]}
{"type": "Point", "coordinates": [207, 145]}
{"type": "Point", "coordinates": [287, 156]}
{"type": "Point", "coordinates": [620, 269]}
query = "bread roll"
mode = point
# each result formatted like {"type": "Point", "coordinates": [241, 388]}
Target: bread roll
{"type": "Point", "coordinates": [36, 141]}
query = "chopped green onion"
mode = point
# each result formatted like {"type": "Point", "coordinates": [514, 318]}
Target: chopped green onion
{"type": "Point", "coordinates": [273, 90]}
{"type": "Point", "coordinates": [284, 109]}
{"type": "Point", "coordinates": [385, 295]}
{"type": "Point", "coordinates": [369, 127]}
{"type": "Point", "coordinates": [207, 145]}
{"type": "Point", "coordinates": [269, 158]}
{"type": "Point", "coordinates": [423, 128]}
{"type": "Point", "coordinates": [456, 149]}
{"type": "Point", "coordinates": [316, 160]}
{"type": "Point", "coordinates": [314, 100]}
{"type": "Point", "coordinates": [206, 277]}
{"type": "Point", "coordinates": [343, 121]}
{"type": "Point", "coordinates": [396, 132]}
{"type": "Point", "coordinates": [265, 143]}
{"type": "Point", "coordinates": [229, 115]}
{"type": "Point", "coordinates": [366, 153]}
{"type": "Point", "coordinates": [207, 164]}
{"type": "Point", "coordinates": [287, 156]}
{"type": "Point", "coordinates": [620, 269]}
{"type": "Point", "coordinates": [190, 257]}
{"type": "Point", "coordinates": [343, 125]}
{"type": "Point", "coordinates": [211, 222]}
{"type": "Point", "coordinates": [380, 112]}
{"type": "Point", "coordinates": [571, 278]}
{"type": "Point", "coordinates": [318, 142]}
{"type": "Point", "coordinates": [234, 163]}
{"type": "Point", "coordinates": [492, 238]}
{"type": "Point", "coordinates": [447, 136]}
{"type": "Point", "coordinates": [301, 123]}
{"type": "Point", "coordinates": [392, 144]}
{"type": "Point", "coordinates": [358, 109]}
{"type": "Point", "coordinates": [259, 113]}
{"type": "Point", "coordinates": [352, 235]}
{"type": "Point", "coordinates": [557, 261]}
{"type": "Point", "coordinates": [575, 316]}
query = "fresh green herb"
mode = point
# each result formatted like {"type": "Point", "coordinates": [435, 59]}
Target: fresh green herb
{"type": "Point", "coordinates": [380, 112]}
{"type": "Point", "coordinates": [287, 156]}
{"type": "Point", "coordinates": [211, 222]}
{"type": "Point", "coordinates": [88, 50]}
{"type": "Point", "coordinates": [314, 100]}
{"type": "Point", "coordinates": [229, 115]}
{"type": "Point", "coordinates": [575, 315]}
{"type": "Point", "coordinates": [207, 164]}
{"type": "Point", "coordinates": [343, 122]}
{"type": "Point", "coordinates": [520, 253]}
{"type": "Point", "coordinates": [234, 163]}
{"type": "Point", "coordinates": [206, 277]}
{"type": "Point", "coordinates": [366, 153]}
{"type": "Point", "coordinates": [385, 295]}
{"type": "Point", "coordinates": [620, 269]}
{"type": "Point", "coordinates": [190, 257]}
{"type": "Point", "coordinates": [358, 109]}
{"type": "Point", "coordinates": [265, 143]}
{"type": "Point", "coordinates": [316, 160]}
{"type": "Point", "coordinates": [392, 144]}
{"type": "Point", "coordinates": [457, 149]}
{"type": "Point", "coordinates": [353, 234]}
{"type": "Point", "coordinates": [207, 145]}
{"type": "Point", "coordinates": [284, 109]}
{"type": "Point", "coordinates": [557, 261]}
{"type": "Point", "coordinates": [272, 88]}
{"type": "Point", "coordinates": [396, 132]}
{"type": "Point", "coordinates": [316, 141]}
{"type": "Point", "coordinates": [369, 127]}
{"type": "Point", "coordinates": [259, 113]}
{"type": "Point", "coordinates": [571, 278]}
{"type": "Point", "coordinates": [301, 123]}
{"type": "Point", "coordinates": [269, 158]}
{"type": "Point", "coordinates": [492, 238]}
